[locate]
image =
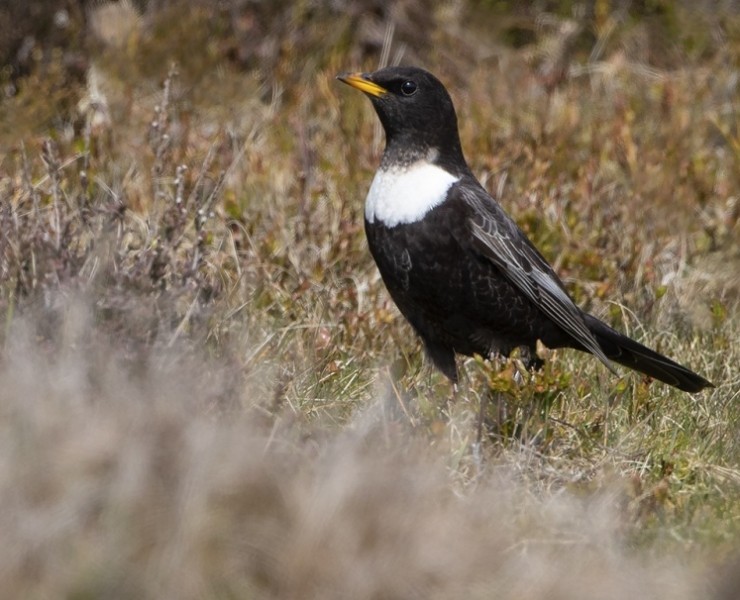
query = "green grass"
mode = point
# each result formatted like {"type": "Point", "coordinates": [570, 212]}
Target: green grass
{"type": "Point", "coordinates": [205, 390]}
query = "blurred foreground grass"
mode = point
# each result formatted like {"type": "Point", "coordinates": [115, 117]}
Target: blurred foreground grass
{"type": "Point", "coordinates": [206, 391]}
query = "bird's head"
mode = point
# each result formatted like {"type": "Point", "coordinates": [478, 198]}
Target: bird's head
{"type": "Point", "coordinates": [414, 107]}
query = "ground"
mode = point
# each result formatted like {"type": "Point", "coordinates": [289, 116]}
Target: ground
{"type": "Point", "coordinates": [206, 391]}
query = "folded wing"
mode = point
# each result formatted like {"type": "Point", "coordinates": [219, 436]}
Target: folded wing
{"type": "Point", "coordinates": [500, 240]}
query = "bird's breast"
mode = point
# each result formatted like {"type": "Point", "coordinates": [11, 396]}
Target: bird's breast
{"type": "Point", "coordinates": [405, 194]}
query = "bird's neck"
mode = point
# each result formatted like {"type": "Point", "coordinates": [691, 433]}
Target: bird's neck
{"type": "Point", "coordinates": [403, 151]}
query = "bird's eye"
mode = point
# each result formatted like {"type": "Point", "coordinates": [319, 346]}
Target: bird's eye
{"type": "Point", "coordinates": [408, 88]}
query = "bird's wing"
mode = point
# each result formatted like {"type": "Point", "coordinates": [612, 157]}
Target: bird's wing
{"type": "Point", "coordinates": [500, 240]}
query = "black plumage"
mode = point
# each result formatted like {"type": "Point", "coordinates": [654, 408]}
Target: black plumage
{"type": "Point", "coordinates": [460, 270]}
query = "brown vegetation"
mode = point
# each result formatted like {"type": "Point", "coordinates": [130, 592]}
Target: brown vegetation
{"type": "Point", "coordinates": [207, 393]}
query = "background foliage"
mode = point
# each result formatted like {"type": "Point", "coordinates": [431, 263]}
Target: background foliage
{"type": "Point", "coordinates": [207, 392]}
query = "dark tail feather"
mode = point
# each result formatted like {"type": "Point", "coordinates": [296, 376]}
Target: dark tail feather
{"type": "Point", "coordinates": [629, 353]}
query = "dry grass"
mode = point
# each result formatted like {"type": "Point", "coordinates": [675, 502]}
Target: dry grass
{"type": "Point", "coordinates": [126, 486]}
{"type": "Point", "coordinates": [196, 346]}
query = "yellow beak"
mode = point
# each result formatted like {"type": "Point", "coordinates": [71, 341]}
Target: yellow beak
{"type": "Point", "coordinates": [356, 80]}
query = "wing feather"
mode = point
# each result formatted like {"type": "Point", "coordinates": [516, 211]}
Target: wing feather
{"type": "Point", "coordinates": [500, 240]}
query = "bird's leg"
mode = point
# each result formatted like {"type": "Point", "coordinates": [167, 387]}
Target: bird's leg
{"type": "Point", "coordinates": [534, 363]}
{"type": "Point", "coordinates": [530, 359]}
{"type": "Point", "coordinates": [454, 388]}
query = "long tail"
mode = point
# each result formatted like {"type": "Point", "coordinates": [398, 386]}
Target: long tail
{"type": "Point", "coordinates": [628, 352]}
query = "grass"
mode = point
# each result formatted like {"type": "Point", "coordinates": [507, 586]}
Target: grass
{"type": "Point", "coordinates": [206, 391]}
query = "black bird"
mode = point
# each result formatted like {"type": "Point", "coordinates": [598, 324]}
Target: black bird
{"type": "Point", "coordinates": [458, 267]}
